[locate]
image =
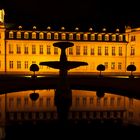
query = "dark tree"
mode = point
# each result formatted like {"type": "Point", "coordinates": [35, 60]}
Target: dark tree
{"type": "Point", "coordinates": [34, 68]}
{"type": "Point", "coordinates": [34, 96]}
{"type": "Point", "coordinates": [100, 68]}
{"type": "Point", "coordinates": [131, 68]}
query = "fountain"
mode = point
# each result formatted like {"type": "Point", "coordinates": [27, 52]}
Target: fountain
{"type": "Point", "coordinates": [63, 93]}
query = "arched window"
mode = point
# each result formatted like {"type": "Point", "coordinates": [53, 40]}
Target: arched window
{"type": "Point", "coordinates": [26, 35]}
{"type": "Point", "coordinates": [11, 34]}
{"type": "Point", "coordinates": [78, 36]}
{"type": "Point", "coordinates": [85, 36]}
{"type": "Point", "coordinates": [70, 36]}
{"type": "Point", "coordinates": [33, 35]}
{"type": "Point", "coordinates": [41, 35]}
{"type": "Point", "coordinates": [92, 36]}
{"type": "Point", "coordinates": [63, 36]}
{"type": "Point", "coordinates": [99, 37]}
{"type": "Point", "coordinates": [113, 37]}
{"type": "Point", "coordinates": [106, 37]}
{"type": "Point", "coordinates": [55, 35]}
{"type": "Point", "coordinates": [48, 35]}
{"type": "Point", "coordinates": [120, 38]}
{"type": "Point", "coordinates": [18, 34]}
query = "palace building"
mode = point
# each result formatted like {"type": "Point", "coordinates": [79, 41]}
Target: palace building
{"type": "Point", "coordinates": [19, 48]}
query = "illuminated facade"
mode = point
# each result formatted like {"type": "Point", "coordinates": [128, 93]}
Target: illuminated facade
{"type": "Point", "coordinates": [18, 107]}
{"type": "Point", "coordinates": [19, 48]}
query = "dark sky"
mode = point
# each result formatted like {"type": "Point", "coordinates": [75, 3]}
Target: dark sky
{"type": "Point", "coordinates": [83, 13]}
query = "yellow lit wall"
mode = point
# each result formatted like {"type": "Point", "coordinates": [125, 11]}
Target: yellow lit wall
{"type": "Point", "coordinates": [85, 102]}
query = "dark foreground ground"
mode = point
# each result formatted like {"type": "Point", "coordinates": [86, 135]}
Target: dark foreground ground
{"type": "Point", "coordinates": [71, 130]}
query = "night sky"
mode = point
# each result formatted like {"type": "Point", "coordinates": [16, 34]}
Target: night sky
{"type": "Point", "coordinates": [82, 13]}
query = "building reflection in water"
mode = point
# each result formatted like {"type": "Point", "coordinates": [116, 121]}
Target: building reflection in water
{"type": "Point", "coordinates": [17, 107]}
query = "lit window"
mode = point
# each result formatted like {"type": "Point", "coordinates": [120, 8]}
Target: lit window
{"type": "Point", "coordinates": [106, 65]}
{"type": "Point", "coordinates": [120, 38]}
{"type": "Point", "coordinates": [18, 64]}
{"type": "Point", "coordinates": [18, 49]}
{"type": "Point", "coordinates": [18, 102]}
{"type": "Point", "coordinates": [99, 37]}
{"type": "Point", "coordinates": [98, 101]}
{"type": "Point", "coordinates": [91, 100]}
{"type": "Point", "coordinates": [11, 65]}
{"type": "Point", "coordinates": [132, 51]}
{"type": "Point", "coordinates": [33, 62]}
{"type": "Point", "coordinates": [71, 36]}
{"type": "Point", "coordinates": [84, 100]}
{"type": "Point", "coordinates": [48, 35]}
{"type": "Point", "coordinates": [92, 51]}
{"type": "Point", "coordinates": [63, 36]}
{"type": "Point", "coordinates": [11, 102]}
{"type": "Point", "coordinates": [33, 49]}
{"type": "Point", "coordinates": [106, 37]}
{"type": "Point", "coordinates": [26, 35]}
{"type": "Point", "coordinates": [41, 36]}
{"type": "Point", "coordinates": [48, 49]}
{"type": "Point", "coordinates": [77, 36]}
{"type": "Point", "coordinates": [48, 101]}
{"type": "Point", "coordinates": [92, 36]}
{"type": "Point", "coordinates": [26, 101]}
{"type": "Point", "coordinates": [118, 101]}
{"type": "Point", "coordinates": [120, 51]}
{"type": "Point", "coordinates": [113, 65]}
{"type": "Point", "coordinates": [113, 37]}
{"type": "Point", "coordinates": [41, 49]}
{"type": "Point", "coordinates": [11, 49]}
{"type": "Point", "coordinates": [55, 50]}
{"type": "Point", "coordinates": [26, 64]}
{"type": "Point", "coordinates": [119, 65]}
{"type": "Point", "coordinates": [99, 51]}
{"type": "Point", "coordinates": [25, 49]}
{"type": "Point", "coordinates": [33, 35]}
{"type": "Point", "coordinates": [105, 101]}
{"type": "Point", "coordinates": [11, 34]}
{"type": "Point", "coordinates": [40, 102]}
{"type": "Point", "coordinates": [55, 35]}
{"type": "Point", "coordinates": [131, 63]}
{"type": "Point", "coordinates": [18, 34]}
{"type": "Point", "coordinates": [112, 101]}
{"type": "Point", "coordinates": [133, 38]}
{"type": "Point", "coordinates": [113, 51]}
{"type": "Point", "coordinates": [131, 102]}
{"type": "Point", "coordinates": [77, 50]}
{"type": "Point", "coordinates": [85, 36]}
{"type": "Point", "coordinates": [106, 50]}
{"type": "Point", "coordinates": [85, 50]}
{"type": "Point", "coordinates": [77, 102]}
{"type": "Point", "coordinates": [70, 51]}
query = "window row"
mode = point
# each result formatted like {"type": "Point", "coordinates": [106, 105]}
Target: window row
{"type": "Point", "coordinates": [98, 101]}
{"type": "Point", "coordinates": [77, 50]}
{"type": "Point", "coordinates": [71, 115]}
{"type": "Point", "coordinates": [66, 36]}
{"type": "Point", "coordinates": [26, 65]}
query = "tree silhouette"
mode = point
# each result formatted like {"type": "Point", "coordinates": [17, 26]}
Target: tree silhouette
{"type": "Point", "coordinates": [100, 68]}
{"type": "Point", "coordinates": [34, 96]}
{"type": "Point", "coordinates": [131, 68]}
{"type": "Point", "coordinates": [34, 68]}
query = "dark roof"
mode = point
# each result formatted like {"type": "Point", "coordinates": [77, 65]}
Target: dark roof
{"type": "Point", "coordinates": [57, 27]}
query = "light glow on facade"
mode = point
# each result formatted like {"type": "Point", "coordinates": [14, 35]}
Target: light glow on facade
{"type": "Point", "coordinates": [19, 48]}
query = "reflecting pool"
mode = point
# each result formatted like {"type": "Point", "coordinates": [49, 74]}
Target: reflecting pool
{"type": "Point", "coordinates": [18, 111]}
